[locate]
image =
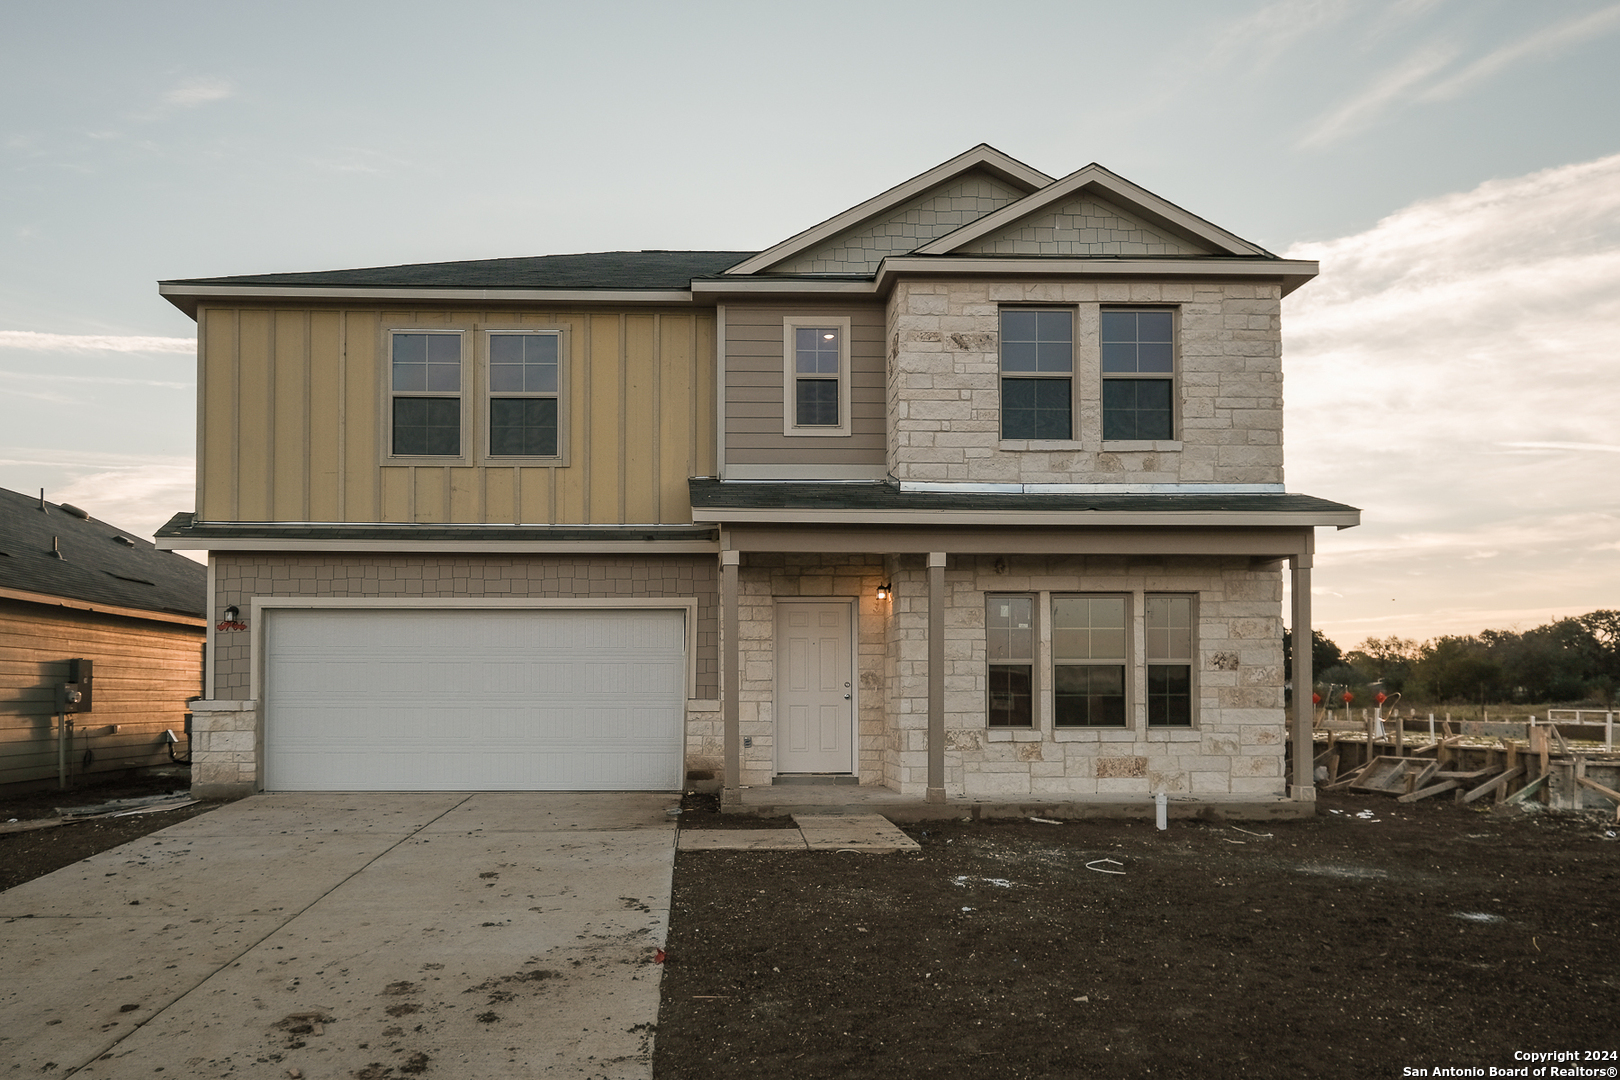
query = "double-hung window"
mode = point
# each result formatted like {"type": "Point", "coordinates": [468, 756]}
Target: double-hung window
{"type": "Point", "coordinates": [1037, 373]}
{"type": "Point", "coordinates": [523, 381]}
{"type": "Point", "coordinates": [815, 376]}
{"type": "Point", "coordinates": [426, 381]}
{"type": "Point", "coordinates": [1138, 374]}
{"type": "Point", "coordinates": [1009, 625]}
{"type": "Point", "coordinates": [1169, 661]}
{"type": "Point", "coordinates": [1089, 661]}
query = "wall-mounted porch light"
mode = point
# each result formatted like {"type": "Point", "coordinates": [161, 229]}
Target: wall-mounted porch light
{"type": "Point", "coordinates": [885, 591]}
{"type": "Point", "coordinates": [231, 613]}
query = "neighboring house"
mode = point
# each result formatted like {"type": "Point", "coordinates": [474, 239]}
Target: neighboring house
{"type": "Point", "coordinates": [973, 491]}
{"type": "Point", "coordinates": [74, 588]}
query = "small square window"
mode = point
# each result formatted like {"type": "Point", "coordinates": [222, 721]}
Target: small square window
{"type": "Point", "coordinates": [815, 376]}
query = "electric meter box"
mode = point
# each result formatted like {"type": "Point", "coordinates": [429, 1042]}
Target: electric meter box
{"type": "Point", "coordinates": [74, 696]}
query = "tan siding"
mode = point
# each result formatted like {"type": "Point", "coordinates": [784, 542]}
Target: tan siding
{"type": "Point", "coordinates": [295, 408]}
{"type": "Point", "coordinates": [754, 398]}
{"type": "Point", "coordinates": [500, 495]}
{"type": "Point", "coordinates": [362, 385]}
{"type": "Point", "coordinates": [643, 443]}
{"type": "Point", "coordinates": [290, 441]}
{"type": "Point", "coordinates": [254, 432]}
{"type": "Point", "coordinates": [325, 405]}
{"type": "Point", "coordinates": [216, 469]}
{"type": "Point", "coordinates": [606, 444]}
{"type": "Point", "coordinates": [676, 456]}
{"type": "Point", "coordinates": [144, 674]}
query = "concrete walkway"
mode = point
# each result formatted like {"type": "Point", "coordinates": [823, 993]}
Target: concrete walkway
{"type": "Point", "coordinates": [356, 935]}
{"type": "Point", "coordinates": [870, 833]}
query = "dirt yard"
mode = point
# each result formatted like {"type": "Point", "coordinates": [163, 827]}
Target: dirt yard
{"type": "Point", "coordinates": [1372, 939]}
{"type": "Point", "coordinates": [28, 855]}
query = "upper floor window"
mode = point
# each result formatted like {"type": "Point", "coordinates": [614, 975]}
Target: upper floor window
{"type": "Point", "coordinates": [1037, 373]}
{"type": "Point", "coordinates": [1138, 374]}
{"type": "Point", "coordinates": [815, 376]}
{"type": "Point", "coordinates": [426, 384]}
{"type": "Point", "coordinates": [523, 394]}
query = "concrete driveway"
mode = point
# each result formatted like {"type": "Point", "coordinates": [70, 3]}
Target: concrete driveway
{"type": "Point", "coordinates": [350, 935]}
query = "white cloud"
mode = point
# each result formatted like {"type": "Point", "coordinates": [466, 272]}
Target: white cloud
{"type": "Point", "coordinates": [1452, 373]}
{"type": "Point", "coordinates": [199, 91]}
{"type": "Point", "coordinates": [136, 492]}
{"type": "Point", "coordinates": [41, 342]}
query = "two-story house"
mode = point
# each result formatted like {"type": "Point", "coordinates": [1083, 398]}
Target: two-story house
{"type": "Point", "coordinates": [973, 491]}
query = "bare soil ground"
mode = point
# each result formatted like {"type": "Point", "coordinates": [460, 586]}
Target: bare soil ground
{"type": "Point", "coordinates": [28, 855]}
{"type": "Point", "coordinates": [1371, 939]}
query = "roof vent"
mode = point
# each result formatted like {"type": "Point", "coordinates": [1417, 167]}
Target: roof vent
{"type": "Point", "coordinates": [68, 508]}
{"type": "Point", "coordinates": [126, 541]}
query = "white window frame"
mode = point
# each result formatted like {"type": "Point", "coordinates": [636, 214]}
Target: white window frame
{"type": "Point", "coordinates": [463, 396]}
{"type": "Point", "coordinates": [790, 325]}
{"type": "Point", "coordinates": [487, 394]}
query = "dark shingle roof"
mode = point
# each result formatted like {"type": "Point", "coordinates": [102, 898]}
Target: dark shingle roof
{"type": "Point", "coordinates": [595, 270]}
{"type": "Point", "coordinates": [95, 566]}
{"type": "Point", "coordinates": [708, 494]}
{"type": "Point", "coordinates": [184, 526]}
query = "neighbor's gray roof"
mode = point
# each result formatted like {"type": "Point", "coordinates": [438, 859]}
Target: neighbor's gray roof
{"type": "Point", "coordinates": [184, 526]}
{"type": "Point", "coordinates": [594, 270]}
{"type": "Point", "coordinates": [95, 567]}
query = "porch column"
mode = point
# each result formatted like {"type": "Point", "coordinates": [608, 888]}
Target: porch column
{"type": "Point", "coordinates": [730, 681]}
{"type": "Point", "coordinates": [936, 678]}
{"type": "Point", "coordinates": [1304, 786]}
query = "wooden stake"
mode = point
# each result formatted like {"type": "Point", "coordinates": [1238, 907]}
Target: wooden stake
{"type": "Point", "coordinates": [1499, 783]}
{"type": "Point", "coordinates": [1445, 785]}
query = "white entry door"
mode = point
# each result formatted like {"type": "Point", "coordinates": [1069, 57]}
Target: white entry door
{"type": "Point", "coordinates": [815, 696]}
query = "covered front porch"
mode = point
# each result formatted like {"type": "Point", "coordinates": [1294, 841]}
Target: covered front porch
{"type": "Point", "coordinates": [921, 740]}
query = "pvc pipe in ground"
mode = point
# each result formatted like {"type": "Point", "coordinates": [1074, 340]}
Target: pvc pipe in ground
{"type": "Point", "coordinates": [1161, 810]}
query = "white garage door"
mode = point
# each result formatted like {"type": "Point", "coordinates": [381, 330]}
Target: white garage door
{"type": "Point", "coordinates": [474, 700]}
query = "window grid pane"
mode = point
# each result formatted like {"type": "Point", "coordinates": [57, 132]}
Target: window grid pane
{"type": "Point", "coordinates": [426, 362]}
{"type": "Point", "coordinates": [427, 426]}
{"type": "Point", "coordinates": [1035, 409]}
{"type": "Point", "coordinates": [1169, 695]}
{"type": "Point", "coordinates": [1037, 341]}
{"type": "Point", "coordinates": [1012, 696]}
{"type": "Point", "coordinates": [1089, 695]}
{"type": "Point", "coordinates": [1136, 409]}
{"type": "Point", "coordinates": [523, 427]}
{"type": "Point", "coordinates": [816, 350]}
{"type": "Point", "coordinates": [817, 404]}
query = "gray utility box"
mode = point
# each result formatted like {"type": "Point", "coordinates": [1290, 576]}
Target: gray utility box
{"type": "Point", "coordinates": [77, 694]}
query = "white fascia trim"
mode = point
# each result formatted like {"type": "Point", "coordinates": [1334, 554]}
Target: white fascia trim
{"type": "Point", "coordinates": [258, 605]}
{"type": "Point", "coordinates": [514, 547]}
{"type": "Point", "coordinates": [347, 292]}
{"type": "Point", "coordinates": [1095, 489]}
{"type": "Point", "coordinates": [1134, 198]}
{"type": "Point", "coordinates": [1088, 518]}
{"type": "Point", "coordinates": [1096, 266]}
{"type": "Point", "coordinates": [980, 156]}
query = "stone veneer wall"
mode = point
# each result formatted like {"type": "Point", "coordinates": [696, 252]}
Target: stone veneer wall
{"type": "Point", "coordinates": [239, 578]}
{"type": "Point", "coordinates": [944, 396]}
{"type": "Point", "coordinates": [1234, 749]}
{"type": "Point", "coordinates": [760, 579]}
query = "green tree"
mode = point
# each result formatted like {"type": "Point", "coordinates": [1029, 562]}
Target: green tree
{"type": "Point", "coordinates": [1385, 660]}
{"type": "Point", "coordinates": [1324, 654]}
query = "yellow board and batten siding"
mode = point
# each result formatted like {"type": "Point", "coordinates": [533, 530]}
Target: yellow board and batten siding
{"type": "Point", "coordinates": [292, 401]}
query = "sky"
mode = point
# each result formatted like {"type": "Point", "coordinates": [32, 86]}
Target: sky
{"type": "Point", "coordinates": [1453, 164]}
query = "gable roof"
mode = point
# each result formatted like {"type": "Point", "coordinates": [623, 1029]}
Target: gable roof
{"type": "Point", "coordinates": [982, 158]}
{"type": "Point", "coordinates": [1096, 180]}
{"type": "Point", "coordinates": [601, 271]}
{"type": "Point", "coordinates": [100, 563]}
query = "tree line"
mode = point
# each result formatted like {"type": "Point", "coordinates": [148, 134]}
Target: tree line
{"type": "Point", "coordinates": [1567, 660]}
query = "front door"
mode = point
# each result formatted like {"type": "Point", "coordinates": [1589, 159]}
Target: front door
{"type": "Point", "coordinates": [815, 697]}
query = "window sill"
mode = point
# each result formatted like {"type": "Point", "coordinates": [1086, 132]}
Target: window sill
{"type": "Point", "coordinates": [553, 462]}
{"type": "Point", "coordinates": [425, 459]}
{"type": "Point", "coordinates": [1096, 734]}
{"type": "Point", "coordinates": [1141, 445]}
{"type": "Point", "coordinates": [1004, 734]}
{"type": "Point", "coordinates": [1024, 445]}
{"type": "Point", "coordinates": [815, 433]}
